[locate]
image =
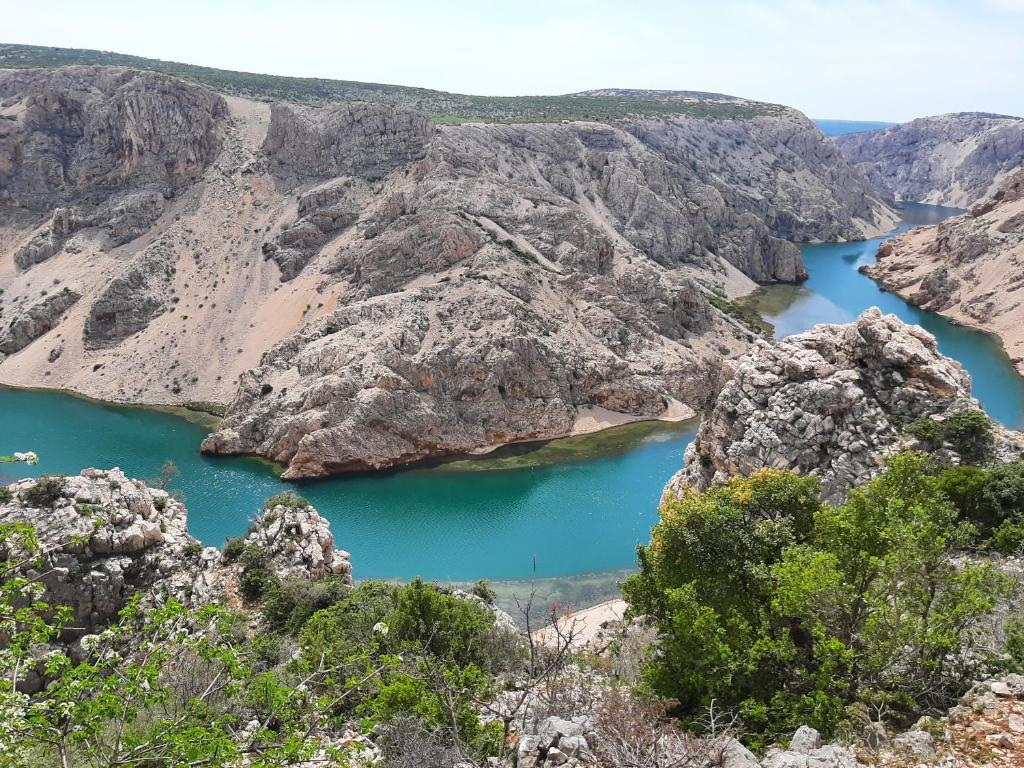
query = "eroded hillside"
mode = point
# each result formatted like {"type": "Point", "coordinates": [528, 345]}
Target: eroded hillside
{"type": "Point", "coordinates": [384, 288]}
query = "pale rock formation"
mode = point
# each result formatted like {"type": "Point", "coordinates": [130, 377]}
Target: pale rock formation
{"type": "Point", "coordinates": [104, 537]}
{"type": "Point", "coordinates": [31, 323]}
{"type": "Point", "coordinates": [298, 542]}
{"type": "Point", "coordinates": [831, 402]}
{"type": "Point", "coordinates": [953, 159]}
{"type": "Point", "coordinates": [969, 268]}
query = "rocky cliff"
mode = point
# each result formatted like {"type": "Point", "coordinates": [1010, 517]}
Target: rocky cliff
{"type": "Point", "coordinates": [969, 268]}
{"type": "Point", "coordinates": [832, 402]}
{"type": "Point", "coordinates": [953, 159]}
{"type": "Point", "coordinates": [366, 287]}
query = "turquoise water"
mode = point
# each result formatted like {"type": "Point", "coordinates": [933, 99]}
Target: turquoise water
{"type": "Point", "coordinates": [584, 514]}
{"type": "Point", "coordinates": [566, 507]}
{"type": "Point", "coordinates": [836, 293]}
{"type": "Point", "coordinates": [842, 127]}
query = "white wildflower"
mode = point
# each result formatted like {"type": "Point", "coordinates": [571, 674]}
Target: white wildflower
{"type": "Point", "coordinates": [380, 628]}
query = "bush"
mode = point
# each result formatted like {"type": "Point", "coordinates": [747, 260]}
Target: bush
{"type": "Point", "coordinates": [791, 611]}
{"type": "Point", "coordinates": [256, 579]}
{"type": "Point", "coordinates": [970, 434]}
{"type": "Point", "coordinates": [193, 549]}
{"type": "Point", "coordinates": [928, 431]}
{"type": "Point", "coordinates": [965, 487]}
{"type": "Point", "coordinates": [1004, 491]}
{"type": "Point", "coordinates": [5, 494]}
{"type": "Point", "coordinates": [234, 546]}
{"type": "Point", "coordinates": [288, 605]}
{"type": "Point", "coordinates": [286, 499]}
{"type": "Point", "coordinates": [46, 491]}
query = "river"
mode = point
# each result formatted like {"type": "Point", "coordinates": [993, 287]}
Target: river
{"type": "Point", "coordinates": [569, 506]}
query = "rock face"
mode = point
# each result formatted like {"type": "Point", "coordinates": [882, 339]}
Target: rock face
{"type": "Point", "coordinates": [367, 288]}
{"type": "Point", "coordinates": [30, 324]}
{"type": "Point", "coordinates": [106, 537]}
{"type": "Point", "coordinates": [953, 159]}
{"type": "Point", "coordinates": [830, 402]}
{"type": "Point", "coordinates": [969, 268]}
{"type": "Point", "coordinates": [86, 132]}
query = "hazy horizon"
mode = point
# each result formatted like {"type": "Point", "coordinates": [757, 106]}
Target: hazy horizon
{"type": "Point", "coordinates": [877, 61]}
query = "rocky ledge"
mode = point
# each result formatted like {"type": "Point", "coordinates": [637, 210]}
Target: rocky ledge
{"type": "Point", "coordinates": [832, 401]}
{"type": "Point", "coordinates": [969, 268]}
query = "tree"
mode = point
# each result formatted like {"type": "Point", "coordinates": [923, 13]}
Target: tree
{"type": "Point", "coordinates": [791, 610]}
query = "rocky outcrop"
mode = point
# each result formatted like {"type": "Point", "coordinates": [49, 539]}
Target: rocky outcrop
{"type": "Point", "coordinates": [831, 402]}
{"type": "Point", "coordinates": [969, 268]}
{"type": "Point", "coordinates": [131, 301]}
{"type": "Point", "coordinates": [298, 542]}
{"type": "Point", "coordinates": [352, 139]}
{"type": "Point", "coordinates": [29, 324]}
{"type": "Point", "coordinates": [86, 132]}
{"type": "Point", "coordinates": [104, 537]}
{"type": "Point", "coordinates": [123, 218]}
{"type": "Point", "coordinates": [953, 159]}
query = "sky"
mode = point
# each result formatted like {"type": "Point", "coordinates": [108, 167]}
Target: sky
{"type": "Point", "coordinates": [853, 59]}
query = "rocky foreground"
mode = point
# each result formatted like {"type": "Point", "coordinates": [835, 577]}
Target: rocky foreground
{"type": "Point", "coordinates": [105, 538]}
{"type": "Point", "coordinates": [363, 287]}
{"type": "Point", "coordinates": [953, 159]}
{"type": "Point", "coordinates": [833, 402]}
{"type": "Point", "coordinates": [969, 268]}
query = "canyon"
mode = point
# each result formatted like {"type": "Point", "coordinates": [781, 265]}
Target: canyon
{"type": "Point", "coordinates": [361, 285]}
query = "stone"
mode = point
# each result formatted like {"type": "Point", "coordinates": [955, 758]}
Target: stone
{"type": "Point", "coordinates": [917, 743]}
{"type": "Point", "coordinates": [573, 746]}
{"type": "Point", "coordinates": [555, 756]}
{"type": "Point", "coordinates": [947, 159]}
{"type": "Point", "coordinates": [736, 755]}
{"type": "Point", "coordinates": [805, 740]}
{"type": "Point", "coordinates": [1001, 740]}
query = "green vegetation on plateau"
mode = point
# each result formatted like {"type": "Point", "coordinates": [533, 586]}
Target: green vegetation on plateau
{"type": "Point", "coordinates": [444, 107]}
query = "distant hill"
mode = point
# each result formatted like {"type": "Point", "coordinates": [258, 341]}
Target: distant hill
{"type": "Point", "coordinates": [599, 105]}
{"type": "Point", "coordinates": [843, 127]}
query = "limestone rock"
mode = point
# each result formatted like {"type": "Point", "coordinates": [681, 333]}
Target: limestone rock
{"type": "Point", "coordinates": [354, 139]}
{"type": "Point", "coordinates": [969, 268]}
{"type": "Point", "coordinates": [830, 402]}
{"type": "Point", "coordinates": [89, 131]}
{"type": "Point", "coordinates": [298, 542]}
{"type": "Point", "coordinates": [106, 537]}
{"type": "Point", "coordinates": [952, 159]}
{"type": "Point", "coordinates": [38, 319]}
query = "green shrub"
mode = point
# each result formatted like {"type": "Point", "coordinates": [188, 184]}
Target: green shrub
{"type": "Point", "coordinates": [193, 549]}
{"type": "Point", "coordinates": [160, 503]}
{"type": "Point", "coordinates": [234, 546]}
{"type": "Point", "coordinates": [1004, 491]}
{"type": "Point", "coordinates": [483, 590]}
{"type": "Point", "coordinates": [5, 494]}
{"type": "Point", "coordinates": [1008, 538]}
{"type": "Point", "coordinates": [255, 579]}
{"type": "Point", "coordinates": [46, 491]}
{"type": "Point", "coordinates": [288, 605]}
{"type": "Point", "coordinates": [790, 611]}
{"type": "Point", "coordinates": [286, 499]}
{"type": "Point", "coordinates": [928, 431]}
{"type": "Point", "coordinates": [965, 487]}
{"type": "Point", "coordinates": [970, 434]}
